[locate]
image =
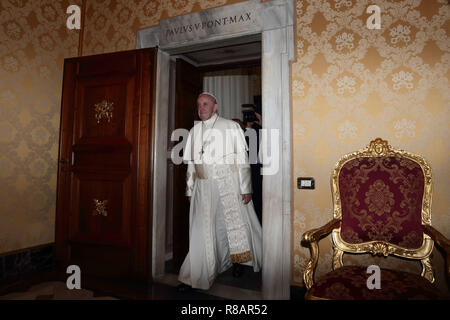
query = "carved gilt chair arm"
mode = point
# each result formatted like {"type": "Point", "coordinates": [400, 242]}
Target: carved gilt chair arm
{"type": "Point", "coordinates": [442, 242]}
{"type": "Point", "coordinates": [314, 235]}
{"type": "Point", "coordinates": [310, 239]}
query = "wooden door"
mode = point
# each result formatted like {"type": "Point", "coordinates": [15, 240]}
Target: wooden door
{"type": "Point", "coordinates": [188, 86]}
{"type": "Point", "coordinates": [104, 217]}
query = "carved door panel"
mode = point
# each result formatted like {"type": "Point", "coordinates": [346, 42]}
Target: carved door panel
{"type": "Point", "coordinates": [189, 85]}
{"type": "Point", "coordinates": [104, 185]}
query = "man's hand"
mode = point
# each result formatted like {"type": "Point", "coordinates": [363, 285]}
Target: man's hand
{"type": "Point", "coordinates": [259, 117]}
{"type": "Point", "coordinates": [246, 198]}
{"type": "Point", "coordinates": [189, 198]}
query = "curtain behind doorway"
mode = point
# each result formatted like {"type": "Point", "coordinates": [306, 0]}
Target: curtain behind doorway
{"type": "Point", "coordinates": [232, 88]}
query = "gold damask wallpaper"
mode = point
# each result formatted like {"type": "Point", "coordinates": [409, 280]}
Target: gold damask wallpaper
{"type": "Point", "coordinates": [34, 41]}
{"type": "Point", "coordinates": [349, 85]}
{"type": "Point", "coordinates": [111, 25]}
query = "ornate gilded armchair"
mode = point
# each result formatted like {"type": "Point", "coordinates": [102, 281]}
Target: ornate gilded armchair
{"type": "Point", "coordinates": [382, 206]}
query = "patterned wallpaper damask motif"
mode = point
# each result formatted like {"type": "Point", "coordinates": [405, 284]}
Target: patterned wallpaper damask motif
{"type": "Point", "coordinates": [34, 41]}
{"type": "Point", "coordinates": [112, 24]}
{"type": "Point", "coordinates": [350, 85]}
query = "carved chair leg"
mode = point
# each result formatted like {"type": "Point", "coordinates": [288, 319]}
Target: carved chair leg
{"type": "Point", "coordinates": [427, 269]}
{"type": "Point", "coordinates": [308, 274]}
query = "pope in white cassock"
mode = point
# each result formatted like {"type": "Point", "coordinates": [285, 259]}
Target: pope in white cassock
{"type": "Point", "coordinates": [223, 227]}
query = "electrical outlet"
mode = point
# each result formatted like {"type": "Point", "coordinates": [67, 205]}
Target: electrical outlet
{"type": "Point", "coordinates": [305, 183]}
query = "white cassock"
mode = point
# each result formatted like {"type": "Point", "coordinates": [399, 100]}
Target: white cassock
{"type": "Point", "coordinates": [222, 229]}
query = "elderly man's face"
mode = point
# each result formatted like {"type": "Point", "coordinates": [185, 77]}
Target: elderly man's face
{"type": "Point", "coordinates": [206, 107]}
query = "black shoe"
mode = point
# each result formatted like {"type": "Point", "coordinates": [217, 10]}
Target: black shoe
{"type": "Point", "coordinates": [237, 270]}
{"type": "Point", "coordinates": [184, 288]}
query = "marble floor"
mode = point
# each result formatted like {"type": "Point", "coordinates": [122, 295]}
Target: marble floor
{"type": "Point", "coordinates": [246, 287]}
{"type": "Point", "coordinates": [54, 290]}
{"type": "Point", "coordinates": [57, 290]}
{"type": "Point", "coordinates": [52, 287]}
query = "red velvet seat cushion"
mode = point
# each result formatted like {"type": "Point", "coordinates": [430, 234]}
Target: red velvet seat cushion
{"type": "Point", "coordinates": [350, 283]}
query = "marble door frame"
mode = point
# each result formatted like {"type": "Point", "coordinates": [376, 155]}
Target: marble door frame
{"type": "Point", "coordinates": [276, 30]}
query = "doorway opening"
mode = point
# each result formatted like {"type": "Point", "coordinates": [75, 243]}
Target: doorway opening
{"type": "Point", "coordinates": [272, 24]}
{"type": "Point", "coordinates": [232, 72]}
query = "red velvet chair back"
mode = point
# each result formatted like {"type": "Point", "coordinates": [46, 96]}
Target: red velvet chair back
{"type": "Point", "coordinates": [381, 200]}
{"type": "Point", "coordinates": [382, 197]}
